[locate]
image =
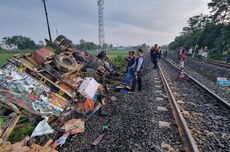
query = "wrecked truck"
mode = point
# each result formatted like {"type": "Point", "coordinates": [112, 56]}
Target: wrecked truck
{"type": "Point", "coordinates": [54, 78]}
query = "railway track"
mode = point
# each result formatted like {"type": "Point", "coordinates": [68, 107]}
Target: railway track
{"type": "Point", "coordinates": [206, 115]}
{"type": "Point", "coordinates": [182, 125]}
{"type": "Point", "coordinates": [217, 63]}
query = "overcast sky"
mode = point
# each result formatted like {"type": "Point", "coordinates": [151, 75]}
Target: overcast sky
{"type": "Point", "coordinates": [127, 22]}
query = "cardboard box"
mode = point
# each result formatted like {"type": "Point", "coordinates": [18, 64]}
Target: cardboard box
{"type": "Point", "coordinates": [41, 55]}
{"type": "Point", "coordinates": [89, 87]}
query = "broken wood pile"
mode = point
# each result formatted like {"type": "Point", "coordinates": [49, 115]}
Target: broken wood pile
{"type": "Point", "coordinates": [50, 83]}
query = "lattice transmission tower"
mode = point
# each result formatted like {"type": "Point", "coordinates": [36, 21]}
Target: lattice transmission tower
{"type": "Point", "coordinates": [101, 46]}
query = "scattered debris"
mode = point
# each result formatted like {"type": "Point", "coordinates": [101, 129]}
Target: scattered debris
{"type": "Point", "coordinates": [61, 140]}
{"type": "Point", "coordinates": [163, 124]}
{"type": "Point", "coordinates": [45, 148]}
{"type": "Point", "coordinates": [224, 82]}
{"type": "Point", "coordinates": [162, 108]}
{"type": "Point", "coordinates": [93, 112]}
{"type": "Point", "coordinates": [43, 128]}
{"type": "Point", "coordinates": [98, 139]}
{"type": "Point", "coordinates": [113, 99]}
{"type": "Point", "coordinates": [8, 121]}
{"type": "Point", "coordinates": [74, 126]}
{"type": "Point", "coordinates": [88, 87]}
{"type": "Point", "coordinates": [55, 82]}
{"type": "Point", "coordinates": [105, 128]}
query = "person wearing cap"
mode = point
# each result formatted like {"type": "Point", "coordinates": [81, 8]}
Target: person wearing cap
{"type": "Point", "coordinates": [138, 71]}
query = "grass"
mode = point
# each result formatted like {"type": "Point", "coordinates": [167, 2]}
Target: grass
{"type": "Point", "coordinates": [116, 56]}
{"type": "Point", "coordinates": [1, 122]}
{"type": "Point", "coordinates": [4, 56]}
{"type": "Point", "coordinates": [20, 132]}
{"type": "Point", "coordinates": [23, 128]}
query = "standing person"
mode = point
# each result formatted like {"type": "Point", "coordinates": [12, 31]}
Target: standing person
{"type": "Point", "coordinates": [182, 58]}
{"type": "Point", "coordinates": [190, 52]}
{"type": "Point", "coordinates": [127, 60]}
{"type": "Point", "coordinates": [154, 53]}
{"type": "Point", "coordinates": [205, 53]}
{"type": "Point", "coordinates": [200, 52]}
{"type": "Point", "coordinates": [195, 51]}
{"type": "Point", "coordinates": [165, 54]}
{"type": "Point", "coordinates": [160, 53]}
{"type": "Point", "coordinates": [138, 71]}
{"type": "Point", "coordinates": [130, 68]}
{"type": "Point", "coordinates": [178, 53]}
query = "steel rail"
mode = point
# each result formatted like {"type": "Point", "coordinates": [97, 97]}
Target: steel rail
{"type": "Point", "coordinates": [220, 64]}
{"type": "Point", "coordinates": [223, 101]}
{"type": "Point", "coordinates": [188, 139]}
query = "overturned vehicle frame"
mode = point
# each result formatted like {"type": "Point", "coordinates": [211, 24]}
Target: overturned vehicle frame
{"type": "Point", "coordinates": [50, 80]}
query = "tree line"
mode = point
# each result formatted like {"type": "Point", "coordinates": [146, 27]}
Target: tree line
{"type": "Point", "coordinates": [23, 42]}
{"type": "Point", "coordinates": [211, 30]}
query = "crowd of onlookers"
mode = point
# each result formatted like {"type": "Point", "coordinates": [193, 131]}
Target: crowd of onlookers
{"type": "Point", "coordinates": [135, 63]}
{"type": "Point", "coordinates": [201, 53]}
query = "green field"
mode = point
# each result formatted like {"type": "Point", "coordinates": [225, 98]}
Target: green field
{"type": "Point", "coordinates": [3, 57]}
{"type": "Point", "coordinates": [117, 56]}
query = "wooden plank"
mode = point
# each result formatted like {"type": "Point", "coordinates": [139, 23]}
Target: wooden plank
{"type": "Point", "coordinates": [98, 140]}
{"type": "Point", "coordinates": [94, 111]}
{"type": "Point", "coordinates": [11, 128]}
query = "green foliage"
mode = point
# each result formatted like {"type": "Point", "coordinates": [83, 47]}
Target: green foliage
{"type": "Point", "coordinates": [212, 30]}
{"type": "Point", "coordinates": [83, 45]}
{"type": "Point", "coordinates": [20, 133]}
{"type": "Point", "coordinates": [220, 11]}
{"type": "Point", "coordinates": [4, 56]}
{"type": "Point", "coordinates": [1, 122]}
{"type": "Point", "coordinates": [118, 60]}
{"type": "Point", "coordinates": [21, 41]}
{"type": "Point", "coordinates": [24, 128]}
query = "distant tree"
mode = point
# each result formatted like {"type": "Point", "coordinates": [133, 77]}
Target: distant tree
{"type": "Point", "coordinates": [41, 43]}
{"type": "Point", "coordinates": [84, 45]}
{"type": "Point", "coordinates": [82, 41]}
{"type": "Point", "coordinates": [20, 41]}
{"type": "Point", "coordinates": [7, 41]}
{"type": "Point", "coordinates": [220, 10]}
{"type": "Point", "coordinates": [111, 46]}
{"type": "Point", "coordinates": [106, 46]}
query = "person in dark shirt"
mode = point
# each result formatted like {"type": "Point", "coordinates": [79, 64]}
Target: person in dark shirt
{"type": "Point", "coordinates": [138, 71]}
{"type": "Point", "coordinates": [130, 68]}
{"type": "Point", "coordinates": [154, 54]}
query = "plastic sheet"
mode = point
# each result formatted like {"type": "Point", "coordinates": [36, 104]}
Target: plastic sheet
{"type": "Point", "coordinates": [43, 128]}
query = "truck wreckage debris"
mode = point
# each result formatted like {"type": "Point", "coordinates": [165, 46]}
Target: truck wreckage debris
{"type": "Point", "coordinates": [50, 81]}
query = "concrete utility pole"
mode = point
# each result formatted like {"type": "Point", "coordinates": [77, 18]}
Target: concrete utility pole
{"type": "Point", "coordinates": [47, 20]}
{"type": "Point", "coordinates": [101, 46]}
